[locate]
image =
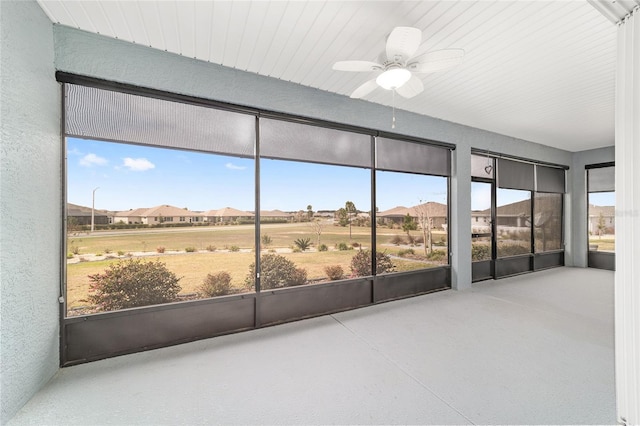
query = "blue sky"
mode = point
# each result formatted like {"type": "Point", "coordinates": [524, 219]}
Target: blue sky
{"type": "Point", "coordinates": [132, 176]}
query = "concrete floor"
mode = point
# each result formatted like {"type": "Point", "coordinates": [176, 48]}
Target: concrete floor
{"type": "Point", "coordinates": [532, 349]}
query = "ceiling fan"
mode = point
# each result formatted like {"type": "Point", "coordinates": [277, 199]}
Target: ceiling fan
{"type": "Point", "coordinates": [397, 64]}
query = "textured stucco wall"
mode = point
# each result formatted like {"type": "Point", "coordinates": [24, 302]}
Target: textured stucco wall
{"type": "Point", "coordinates": [30, 209]}
{"type": "Point", "coordinates": [580, 240]}
{"type": "Point", "coordinates": [97, 56]}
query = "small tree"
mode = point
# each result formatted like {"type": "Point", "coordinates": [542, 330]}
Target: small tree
{"type": "Point", "coordinates": [351, 211]}
{"type": "Point", "coordinates": [130, 283]}
{"type": "Point", "coordinates": [317, 226]}
{"type": "Point", "coordinates": [342, 216]}
{"type": "Point", "coordinates": [424, 219]}
{"type": "Point", "coordinates": [601, 225]}
{"type": "Point", "coordinates": [408, 224]}
{"type": "Point", "coordinates": [310, 211]}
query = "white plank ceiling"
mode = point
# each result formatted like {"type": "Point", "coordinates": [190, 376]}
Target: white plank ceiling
{"type": "Point", "coordinates": [543, 71]}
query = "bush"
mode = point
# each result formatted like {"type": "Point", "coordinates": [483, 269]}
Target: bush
{"type": "Point", "coordinates": [266, 240]}
{"type": "Point", "coordinates": [397, 240]}
{"type": "Point", "coordinates": [342, 246]}
{"type": "Point", "coordinates": [361, 263]}
{"type": "Point", "coordinates": [130, 283]}
{"type": "Point", "coordinates": [75, 249]}
{"type": "Point", "coordinates": [218, 284]}
{"type": "Point", "coordinates": [512, 249]}
{"type": "Point", "coordinates": [160, 249]}
{"type": "Point", "coordinates": [234, 248]}
{"type": "Point", "coordinates": [69, 255]}
{"type": "Point", "coordinates": [303, 243]}
{"type": "Point", "coordinates": [107, 250]}
{"type": "Point", "coordinates": [296, 250]}
{"type": "Point", "coordinates": [334, 272]}
{"type": "Point", "coordinates": [120, 253]}
{"type": "Point", "coordinates": [211, 248]}
{"type": "Point", "coordinates": [355, 244]}
{"type": "Point", "coordinates": [323, 247]}
{"type": "Point", "coordinates": [190, 249]}
{"type": "Point", "coordinates": [437, 255]}
{"type": "Point", "coordinates": [276, 271]}
{"type": "Point", "coordinates": [405, 252]}
{"type": "Point", "coordinates": [480, 252]}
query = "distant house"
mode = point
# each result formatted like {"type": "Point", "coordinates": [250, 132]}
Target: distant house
{"type": "Point", "coordinates": [157, 215]}
{"type": "Point", "coordinates": [274, 215]}
{"type": "Point", "coordinates": [81, 215]}
{"type": "Point", "coordinates": [436, 212]}
{"type": "Point", "coordinates": [226, 215]}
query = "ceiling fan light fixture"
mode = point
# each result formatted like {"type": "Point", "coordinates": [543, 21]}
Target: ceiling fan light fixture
{"type": "Point", "coordinates": [393, 78]}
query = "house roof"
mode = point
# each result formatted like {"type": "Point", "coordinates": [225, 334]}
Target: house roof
{"type": "Point", "coordinates": [227, 212]}
{"type": "Point", "coordinates": [77, 210]}
{"type": "Point", "coordinates": [432, 208]}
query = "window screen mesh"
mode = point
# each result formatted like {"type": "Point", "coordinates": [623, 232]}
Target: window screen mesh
{"type": "Point", "coordinates": [294, 141]}
{"type": "Point", "coordinates": [115, 116]}
{"type": "Point", "coordinates": [549, 179]}
{"type": "Point", "coordinates": [515, 175]}
{"type": "Point", "coordinates": [602, 179]}
{"type": "Point", "coordinates": [402, 156]}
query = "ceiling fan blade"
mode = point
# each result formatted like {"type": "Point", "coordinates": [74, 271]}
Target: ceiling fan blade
{"type": "Point", "coordinates": [410, 88]}
{"type": "Point", "coordinates": [360, 66]}
{"type": "Point", "coordinates": [437, 61]}
{"type": "Point", "coordinates": [364, 89]}
{"type": "Point", "coordinates": [402, 43]}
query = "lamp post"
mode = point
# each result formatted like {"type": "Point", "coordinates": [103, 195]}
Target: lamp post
{"type": "Point", "coordinates": [93, 205]}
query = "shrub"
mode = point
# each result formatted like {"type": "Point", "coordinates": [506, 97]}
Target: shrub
{"type": "Point", "coordinates": [296, 250]}
{"type": "Point", "coordinates": [266, 240]}
{"type": "Point", "coordinates": [405, 252]}
{"type": "Point", "coordinates": [132, 282]}
{"type": "Point", "coordinates": [355, 244]}
{"type": "Point", "coordinates": [361, 263]}
{"type": "Point", "coordinates": [303, 243]}
{"type": "Point", "coordinates": [83, 259]}
{"type": "Point", "coordinates": [75, 249]}
{"type": "Point", "coordinates": [512, 249]}
{"type": "Point", "coordinates": [98, 254]}
{"type": "Point", "coordinates": [120, 253]}
{"type": "Point", "coordinates": [437, 255]}
{"type": "Point", "coordinates": [190, 249]}
{"type": "Point", "coordinates": [480, 252]}
{"type": "Point", "coordinates": [334, 272]}
{"type": "Point", "coordinates": [418, 240]}
{"type": "Point", "coordinates": [323, 247]}
{"type": "Point", "coordinates": [276, 271]}
{"type": "Point", "coordinates": [211, 248]}
{"type": "Point", "coordinates": [218, 284]}
{"type": "Point", "coordinates": [234, 248]}
{"type": "Point", "coordinates": [342, 246]}
{"type": "Point", "coordinates": [69, 255]}
{"type": "Point", "coordinates": [107, 250]}
{"type": "Point", "coordinates": [397, 240]}
{"type": "Point", "coordinates": [160, 249]}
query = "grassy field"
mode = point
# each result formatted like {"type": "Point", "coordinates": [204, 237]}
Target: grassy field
{"type": "Point", "coordinates": [604, 244]}
{"type": "Point", "coordinates": [194, 267]}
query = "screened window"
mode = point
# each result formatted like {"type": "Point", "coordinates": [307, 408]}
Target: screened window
{"type": "Point", "coordinates": [601, 212]}
{"type": "Point", "coordinates": [547, 222]}
{"type": "Point", "coordinates": [513, 222]}
{"type": "Point", "coordinates": [168, 225]}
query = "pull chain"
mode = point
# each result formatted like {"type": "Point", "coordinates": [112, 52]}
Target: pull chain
{"type": "Point", "coordinates": [393, 108]}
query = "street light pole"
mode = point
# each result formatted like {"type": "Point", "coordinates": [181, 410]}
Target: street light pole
{"type": "Point", "coordinates": [93, 205]}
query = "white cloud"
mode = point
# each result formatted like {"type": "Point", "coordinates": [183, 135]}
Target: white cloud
{"type": "Point", "coordinates": [232, 166]}
{"type": "Point", "coordinates": [138, 164]}
{"type": "Point", "coordinates": [90, 160]}
{"type": "Point", "coordinates": [74, 151]}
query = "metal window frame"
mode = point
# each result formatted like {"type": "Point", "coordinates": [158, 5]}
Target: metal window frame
{"type": "Point", "coordinates": [91, 337]}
